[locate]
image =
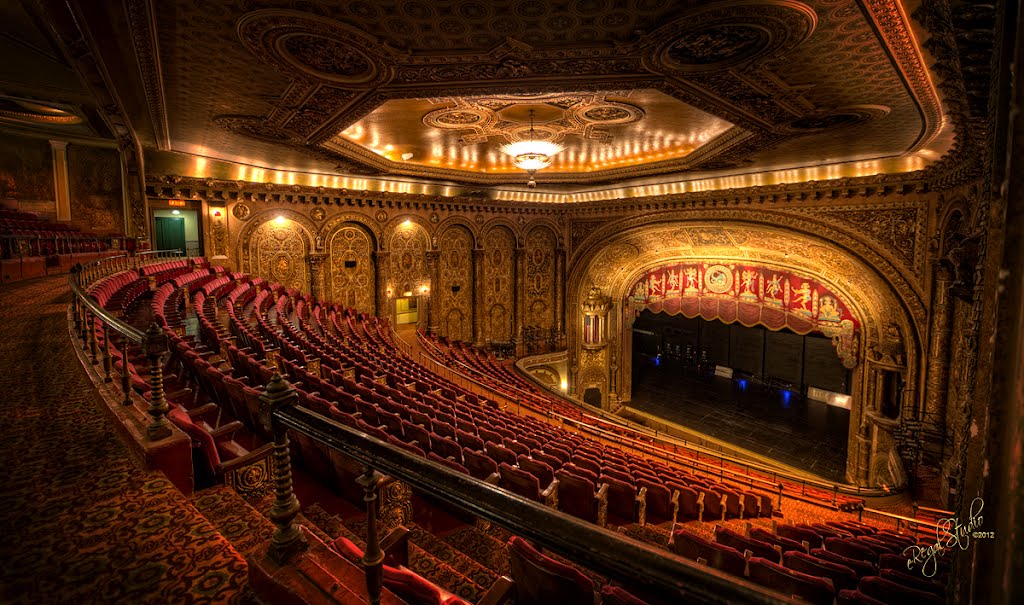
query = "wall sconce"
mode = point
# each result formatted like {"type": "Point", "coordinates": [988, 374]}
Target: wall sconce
{"type": "Point", "coordinates": [564, 385]}
{"type": "Point", "coordinates": [388, 292]}
{"type": "Point", "coordinates": [216, 213]}
{"type": "Point", "coordinates": [425, 290]}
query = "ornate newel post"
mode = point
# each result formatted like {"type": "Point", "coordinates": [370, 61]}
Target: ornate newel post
{"type": "Point", "coordinates": [287, 540]}
{"type": "Point", "coordinates": [154, 345]}
{"type": "Point", "coordinates": [373, 558]}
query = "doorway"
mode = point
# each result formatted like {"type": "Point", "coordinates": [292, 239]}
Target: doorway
{"type": "Point", "coordinates": [170, 233]}
{"type": "Point", "coordinates": [406, 311]}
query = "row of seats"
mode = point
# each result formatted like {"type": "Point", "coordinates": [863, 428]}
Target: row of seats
{"type": "Point", "coordinates": [853, 562]}
{"type": "Point", "coordinates": [594, 475]}
{"type": "Point", "coordinates": [517, 387]}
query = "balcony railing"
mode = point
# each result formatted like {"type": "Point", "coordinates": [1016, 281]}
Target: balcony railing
{"type": "Point", "coordinates": [624, 560]}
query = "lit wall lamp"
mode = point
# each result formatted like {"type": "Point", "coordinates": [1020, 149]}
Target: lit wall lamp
{"type": "Point", "coordinates": [389, 292]}
{"type": "Point", "coordinates": [216, 213]}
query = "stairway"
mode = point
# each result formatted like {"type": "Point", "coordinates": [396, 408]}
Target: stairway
{"type": "Point", "coordinates": [428, 555]}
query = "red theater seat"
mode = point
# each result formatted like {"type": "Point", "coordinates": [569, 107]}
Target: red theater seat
{"type": "Point", "coordinates": [719, 556]}
{"type": "Point", "coordinates": [540, 580]}
{"type": "Point", "coordinates": [818, 591]}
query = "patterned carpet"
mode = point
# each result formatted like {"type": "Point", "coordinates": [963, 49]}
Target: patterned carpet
{"type": "Point", "coordinates": [80, 523]}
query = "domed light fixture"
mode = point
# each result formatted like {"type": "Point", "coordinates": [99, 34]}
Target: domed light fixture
{"type": "Point", "coordinates": [531, 154]}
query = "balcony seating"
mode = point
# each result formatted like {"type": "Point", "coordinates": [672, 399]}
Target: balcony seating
{"type": "Point", "coordinates": [523, 483]}
{"type": "Point", "coordinates": [655, 502]}
{"type": "Point", "coordinates": [613, 595]}
{"type": "Point", "coordinates": [888, 591]}
{"type": "Point", "coordinates": [764, 550]}
{"type": "Point", "coordinates": [801, 534]}
{"type": "Point", "coordinates": [812, 589]}
{"type": "Point", "coordinates": [400, 580]}
{"type": "Point", "coordinates": [540, 580]}
{"type": "Point", "coordinates": [215, 453]}
{"type": "Point", "coordinates": [850, 548]}
{"type": "Point", "coordinates": [856, 597]}
{"type": "Point", "coordinates": [577, 496]}
{"type": "Point", "coordinates": [719, 556]}
{"type": "Point", "coordinates": [543, 472]}
{"type": "Point", "coordinates": [917, 582]}
{"type": "Point", "coordinates": [480, 466]}
{"type": "Point", "coordinates": [622, 501]}
{"type": "Point", "coordinates": [785, 543]}
{"type": "Point", "coordinates": [860, 568]}
{"type": "Point", "coordinates": [842, 577]}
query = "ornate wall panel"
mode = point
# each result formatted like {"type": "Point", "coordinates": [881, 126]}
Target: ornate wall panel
{"type": "Point", "coordinates": [94, 177]}
{"type": "Point", "coordinates": [408, 246]}
{"type": "Point", "coordinates": [350, 274]}
{"type": "Point", "coordinates": [539, 288]}
{"type": "Point", "coordinates": [499, 284]}
{"type": "Point", "coordinates": [276, 251]}
{"type": "Point", "coordinates": [454, 292]}
{"type": "Point", "coordinates": [26, 174]}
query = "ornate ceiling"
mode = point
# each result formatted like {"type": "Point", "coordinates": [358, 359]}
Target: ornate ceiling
{"type": "Point", "coordinates": [654, 91]}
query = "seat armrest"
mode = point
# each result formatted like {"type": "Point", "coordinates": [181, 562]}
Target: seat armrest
{"type": "Point", "coordinates": [641, 499]}
{"type": "Point", "coordinates": [203, 410]}
{"type": "Point", "coordinates": [675, 507]}
{"type": "Point", "coordinates": [499, 593]}
{"type": "Point", "coordinates": [601, 498]}
{"type": "Point", "coordinates": [396, 546]}
{"type": "Point", "coordinates": [550, 494]}
{"type": "Point", "coordinates": [226, 430]}
{"type": "Point", "coordinates": [264, 451]}
{"type": "Point", "coordinates": [493, 479]}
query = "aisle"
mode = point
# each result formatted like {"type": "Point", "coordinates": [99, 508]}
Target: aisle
{"type": "Point", "coordinates": [81, 523]}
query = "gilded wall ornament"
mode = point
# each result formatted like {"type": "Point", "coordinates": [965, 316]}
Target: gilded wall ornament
{"type": "Point", "coordinates": [381, 216]}
{"type": "Point", "coordinates": [241, 211]}
{"type": "Point", "coordinates": [318, 213]}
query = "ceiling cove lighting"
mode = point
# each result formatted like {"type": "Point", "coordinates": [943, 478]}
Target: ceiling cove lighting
{"type": "Point", "coordinates": [531, 154]}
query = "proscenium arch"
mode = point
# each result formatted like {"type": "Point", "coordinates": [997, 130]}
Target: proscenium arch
{"type": "Point", "coordinates": [911, 315]}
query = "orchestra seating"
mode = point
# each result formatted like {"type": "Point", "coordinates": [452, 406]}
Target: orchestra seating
{"type": "Point", "coordinates": [345, 366]}
{"type": "Point", "coordinates": [32, 247]}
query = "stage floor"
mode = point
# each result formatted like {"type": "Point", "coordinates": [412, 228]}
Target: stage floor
{"type": "Point", "coordinates": [808, 435]}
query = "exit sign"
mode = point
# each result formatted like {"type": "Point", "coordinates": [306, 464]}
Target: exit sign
{"type": "Point", "coordinates": [179, 203]}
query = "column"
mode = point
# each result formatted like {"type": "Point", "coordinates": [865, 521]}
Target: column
{"type": "Point", "coordinates": [381, 274]}
{"type": "Point", "coordinates": [62, 193]}
{"type": "Point", "coordinates": [316, 274]}
{"type": "Point", "coordinates": [559, 297]}
{"type": "Point", "coordinates": [434, 270]}
{"type": "Point", "coordinates": [519, 308]}
{"type": "Point", "coordinates": [478, 296]}
{"type": "Point", "coordinates": [938, 350]}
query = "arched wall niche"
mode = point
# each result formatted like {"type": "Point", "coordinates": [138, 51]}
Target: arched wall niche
{"type": "Point", "coordinates": [884, 307]}
{"type": "Point", "coordinates": [454, 290]}
{"type": "Point", "coordinates": [350, 272]}
{"type": "Point", "coordinates": [275, 244]}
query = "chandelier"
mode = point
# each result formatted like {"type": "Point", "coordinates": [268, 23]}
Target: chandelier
{"type": "Point", "coordinates": [531, 154]}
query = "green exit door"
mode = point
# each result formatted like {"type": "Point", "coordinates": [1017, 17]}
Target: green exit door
{"type": "Point", "coordinates": [170, 233]}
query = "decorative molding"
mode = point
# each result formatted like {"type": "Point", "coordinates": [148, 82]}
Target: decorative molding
{"type": "Point", "coordinates": [142, 26]}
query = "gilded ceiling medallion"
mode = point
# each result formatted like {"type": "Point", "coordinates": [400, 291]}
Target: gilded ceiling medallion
{"type": "Point", "coordinates": [555, 116]}
{"type": "Point", "coordinates": [724, 34]}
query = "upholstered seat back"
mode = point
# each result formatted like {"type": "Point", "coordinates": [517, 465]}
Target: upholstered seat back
{"type": "Point", "coordinates": [519, 481]}
{"type": "Point", "coordinates": [479, 465]}
{"type": "Point", "coordinates": [576, 496]}
{"type": "Point", "coordinates": [818, 591]}
{"type": "Point", "coordinates": [842, 577]}
{"type": "Point", "coordinates": [719, 556]}
{"type": "Point", "coordinates": [621, 499]}
{"type": "Point", "coordinates": [765, 550]}
{"type": "Point", "coordinates": [540, 580]}
{"type": "Point", "coordinates": [543, 472]}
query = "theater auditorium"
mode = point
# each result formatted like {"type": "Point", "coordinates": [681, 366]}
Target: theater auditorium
{"type": "Point", "coordinates": [511, 302]}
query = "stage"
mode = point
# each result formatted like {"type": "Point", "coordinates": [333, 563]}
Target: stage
{"type": "Point", "coordinates": [807, 435]}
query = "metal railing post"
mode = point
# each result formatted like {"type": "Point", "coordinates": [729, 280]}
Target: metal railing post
{"type": "Point", "coordinates": [287, 539]}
